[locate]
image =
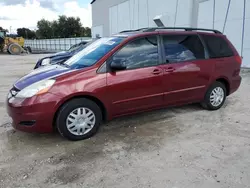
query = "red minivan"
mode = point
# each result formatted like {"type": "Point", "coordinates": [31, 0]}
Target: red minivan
{"type": "Point", "coordinates": [130, 72]}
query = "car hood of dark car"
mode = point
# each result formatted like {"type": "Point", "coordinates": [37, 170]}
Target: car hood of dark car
{"type": "Point", "coordinates": [55, 58]}
{"type": "Point", "coordinates": [60, 57]}
{"type": "Point", "coordinates": [59, 54]}
{"type": "Point", "coordinates": [40, 74]}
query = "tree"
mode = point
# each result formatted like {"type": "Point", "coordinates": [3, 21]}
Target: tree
{"type": "Point", "coordinates": [2, 29]}
{"type": "Point", "coordinates": [45, 29]}
{"type": "Point", "coordinates": [26, 33]}
{"type": "Point", "coordinates": [68, 27]}
{"type": "Point", "coordinates": [64, 27]}
{"type": "Point", "coordinates": [86, 32]}
{"type": "Point", "coordinates": [73, 28]}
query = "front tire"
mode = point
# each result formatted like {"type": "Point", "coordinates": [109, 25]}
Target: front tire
{"type": "Point", "coordinates": [215, 96]}
{"type": "Point", "coordinates": [79, 119]}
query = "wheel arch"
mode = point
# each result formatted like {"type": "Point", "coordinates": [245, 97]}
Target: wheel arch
{"type": "Point", "coordinates": [86, 96]}
{"type": "Point", "coordinates": [226, 82]}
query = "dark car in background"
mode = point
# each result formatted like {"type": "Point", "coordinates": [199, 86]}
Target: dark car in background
{"type": "Point", "coordinates": [61, 57]}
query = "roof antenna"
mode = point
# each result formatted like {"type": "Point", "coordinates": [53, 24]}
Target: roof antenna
{"type": "Point", "coordinates": [158, 21]}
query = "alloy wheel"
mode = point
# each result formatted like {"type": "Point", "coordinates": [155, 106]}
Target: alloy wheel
{"type": "Point", "coordinates": [80, 121]}
{"type": "Point", "coordinates": [217, 96]}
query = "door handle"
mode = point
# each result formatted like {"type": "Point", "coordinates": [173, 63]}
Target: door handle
{"type": "Point", "coordinates": [170, 69]}
{"type": "Point", "coordinates": [156, 71]}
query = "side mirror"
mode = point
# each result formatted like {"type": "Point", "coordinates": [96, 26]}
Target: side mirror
{"type": "Point", "coordinates": [118, 64]}
{"type": "Point", "coordinates": [45, 62]}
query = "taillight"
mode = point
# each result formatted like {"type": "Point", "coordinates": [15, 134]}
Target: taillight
{"type": "Point", "coordinates": [238, 59]}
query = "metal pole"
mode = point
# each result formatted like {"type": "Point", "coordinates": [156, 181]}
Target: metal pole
{"type": "Point", "coordinates": [65, 45]}
{"type": "Point", "coordinates": [243, 28]}
{"type": "Point", "coordinates": [50, 46]}
{"type": "Point", "coordinates": [228, 7]}
{"type": "Point", "coordinates": [214, 14]}
{"type": "Point", "coordinates": [148, 12]}
{"type": "Point", "coordinates": [176, 11]}
{"type": "Point", "coordinates": [59, 40]}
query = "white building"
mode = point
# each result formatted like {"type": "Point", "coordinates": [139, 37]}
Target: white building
{"type": "Point", "coordinates": [112, 16]}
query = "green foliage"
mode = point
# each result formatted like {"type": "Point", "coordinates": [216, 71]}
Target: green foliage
{"type": "Point", "coordinates": [64, 27]}
{"type": "Point", "coordinates": [45, 29]}
{"type": "Point", "coordinates": [26, 33]}
{"type": "Point", "coordinates": [3, 30]}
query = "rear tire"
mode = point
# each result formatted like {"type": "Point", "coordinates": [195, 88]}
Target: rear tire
{"type": "Point", "coordinates": [215, 96]}
{"type": "Point", "coordinates": [15, 49]}
{"type": "Point", "coordinates": [73, 121]}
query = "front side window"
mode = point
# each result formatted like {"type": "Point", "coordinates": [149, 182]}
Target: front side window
{"type": "Point", "coordinates": [180, 48]}
{"type": "Point", "coordinates": [93, 52]}
{"type": "Point", "coordinates": [139, 53]}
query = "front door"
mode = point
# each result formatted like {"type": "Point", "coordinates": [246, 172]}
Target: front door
{"type": "Point", "coordinates": [186, 70]}
{"type": "Point", "coordinates": [139, 87]}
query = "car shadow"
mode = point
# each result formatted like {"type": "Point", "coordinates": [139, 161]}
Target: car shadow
{"type": "Point", "coordinates": [135, 133]}
{"type": "Point", "coordinates": [112, 128]}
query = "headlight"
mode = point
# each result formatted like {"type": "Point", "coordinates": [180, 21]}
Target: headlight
{"type": "Point", "coordinates": [36, 89]}
{"type": "Point", "coordinates": [45, 62]}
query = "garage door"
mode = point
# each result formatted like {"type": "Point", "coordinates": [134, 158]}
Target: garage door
{"type": "Point", "coordinates": [119, 17]}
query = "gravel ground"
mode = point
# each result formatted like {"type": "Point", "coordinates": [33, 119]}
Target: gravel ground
{"type": "Point", "coordinates": [182, 147]}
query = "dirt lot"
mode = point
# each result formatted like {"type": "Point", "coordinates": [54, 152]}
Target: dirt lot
{"type": "Point", "coordinates": [179, 147]}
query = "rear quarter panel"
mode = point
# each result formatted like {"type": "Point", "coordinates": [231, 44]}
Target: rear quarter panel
{"type": "Point", "coordinates": [226, 68]}
{"type": "Point", "coordinates": [223, 68]}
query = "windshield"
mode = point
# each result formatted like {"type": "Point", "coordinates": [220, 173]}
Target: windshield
{"type": "Point", "coordinates": [1, 34]}
{"type": "Point", "coordinates": [76, 48]}
{"type": "Point", "coordinates": [93, 52]}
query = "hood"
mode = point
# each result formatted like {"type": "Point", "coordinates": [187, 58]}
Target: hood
{"type": "Point", "coordinates": [61, 57]}
{"type": "Point", "coordinates": [40, 74]}
{"type": "Point", "coordinates": [63, 53]}
{"type": "Point", "coordinates": [60, 53]}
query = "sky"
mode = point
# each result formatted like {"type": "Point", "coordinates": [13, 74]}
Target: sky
{"type": "Point", "coordinates": [25, 13]}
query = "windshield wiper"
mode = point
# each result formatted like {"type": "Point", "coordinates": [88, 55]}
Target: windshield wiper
{"type": "Point", "coordinates": [63, 64]}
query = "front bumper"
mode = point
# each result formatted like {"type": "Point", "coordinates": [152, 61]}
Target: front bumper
{"type": "Point", "coordinates": [35, 114]}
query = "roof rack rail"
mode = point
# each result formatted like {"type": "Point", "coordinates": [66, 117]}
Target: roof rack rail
{"type": "Point", "coordinates": [151, 29]}
{"type": "Point", "coordinates": [184, 28]}
{"type": "Point", "coordinates": [133, 30]}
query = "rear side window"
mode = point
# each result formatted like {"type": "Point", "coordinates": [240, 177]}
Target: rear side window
{"type": "Point", "coordinates": [217, 46]}
{"type": "Point", "coordinates": [180, 48]}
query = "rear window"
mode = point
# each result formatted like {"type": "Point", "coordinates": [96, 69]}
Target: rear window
{"type": "Point", "coordinates": [217, 46]}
